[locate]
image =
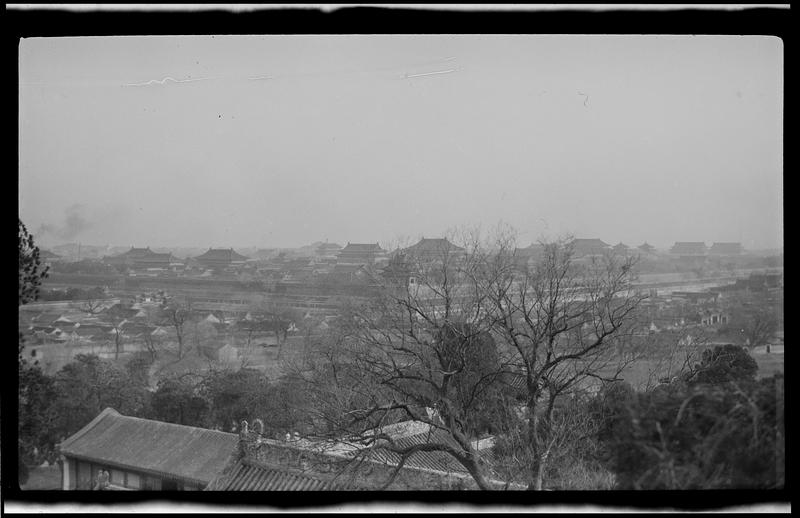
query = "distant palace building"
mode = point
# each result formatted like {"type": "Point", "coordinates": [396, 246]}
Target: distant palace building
{"type": "Point", "coordinates": [328, 251]}
{"type": "Point", "coordinates": [688, 249]}
{"type": "Point", "coordinates": [144, 259]}
{"type": "Point", "coordinates": [361, 254]}
{"type": "Point", "coordinates": [588, 247]}
{"type": "Point", "coordinates": [221, 258]}
{"type": "Point", "coordinates": [436, 248]}
{"type": "Point", "coordinates": [646, 248]}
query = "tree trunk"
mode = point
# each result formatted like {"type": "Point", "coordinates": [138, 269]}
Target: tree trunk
{"type": "Point", "coordinates": [477, 475]}
{"type": "Point", "coordinates": [280, 343]}
{"type": "Point", "coordinates": [538, 479]}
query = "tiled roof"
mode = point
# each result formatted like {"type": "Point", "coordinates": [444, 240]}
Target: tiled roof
{"type": "Point", "coordinates": [621, 246]}
{"type": "Point", "coordinates": [431, 460]}
{"type": "Point", "coordinates": [646, 246]}
{"type": "Point", "coordinates": [221, 254]}
{"type": "Point", "coordinates": [163, 449]}
{"type": "Point", "coordinates": [434, 245]}
{"type": "Point", "coordinates": [135, 253]}
{"type": "Point", "coordinates": [249, 475]}
{"type": "Point", "coordinates": [589, 243]}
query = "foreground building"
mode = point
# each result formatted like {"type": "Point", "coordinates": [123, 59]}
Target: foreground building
{"type": "Point", "coordinates": [118, 452]}
{"type": "Point", "coordinates": [140, 454]}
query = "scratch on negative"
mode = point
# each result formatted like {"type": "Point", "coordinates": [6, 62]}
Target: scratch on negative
{"type": "Point", "coordinates": [430, 73]}
{"type": "Point", "coordinates": [585, 100]}
{"type": "Point", "coordinates": [163, 81]}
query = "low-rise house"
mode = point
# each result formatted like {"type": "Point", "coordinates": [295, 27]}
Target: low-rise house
{"type": "Point", "coordinates": [710, 317]}
{"type": "Point", "coordinates": [141, 454]}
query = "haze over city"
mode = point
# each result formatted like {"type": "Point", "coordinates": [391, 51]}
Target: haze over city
{"type": "Point", "coordinates": [401, 262]}
{"type": "Point", "coordinates": [286, 140]}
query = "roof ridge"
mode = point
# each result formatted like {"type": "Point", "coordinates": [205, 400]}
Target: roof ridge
{"type": "Point", "coordinates": [175, 425]}
{"type": "Point", "coordinates": [94, 422]}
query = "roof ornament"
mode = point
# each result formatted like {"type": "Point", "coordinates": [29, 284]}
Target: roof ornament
{"type": "Point", "coordinates": [258, 426]}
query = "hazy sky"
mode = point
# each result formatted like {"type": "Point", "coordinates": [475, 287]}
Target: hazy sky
{"type": "Point", "coordinates": [293, 139]}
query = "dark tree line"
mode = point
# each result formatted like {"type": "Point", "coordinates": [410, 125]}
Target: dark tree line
{"type": "Point", "coordinates": [714, 427]}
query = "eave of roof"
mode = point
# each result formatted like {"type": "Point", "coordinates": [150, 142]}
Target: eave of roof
{"type": "Point", "coordinates": [163, 449]}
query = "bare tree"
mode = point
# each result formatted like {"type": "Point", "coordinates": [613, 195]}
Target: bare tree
{"type": "Point", "coordinates": [115, 316]}
{"type": "Point", "coordinates": [178, 315]}
{"type": "Point", "coordinates": [414, 352]}
{"type": "Point", "coordinates": [152, 343]}
{"type": "Point", "coordinates": [563, 321]}
{"type": "Point", "coordinates": [417, 350]}
{"type": "Point", "coordinates": [92, 306]}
